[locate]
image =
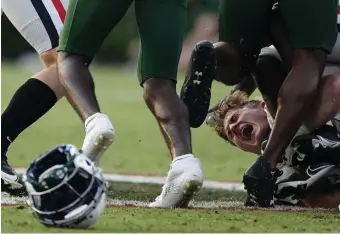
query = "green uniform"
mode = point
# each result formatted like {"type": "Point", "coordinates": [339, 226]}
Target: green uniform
{"type": "Point", "coordinates": [161, 26]}
{"type": "Point", "coordinates": [311, 24]}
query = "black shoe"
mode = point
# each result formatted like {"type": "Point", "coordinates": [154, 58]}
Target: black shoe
{"type": "Point", "coordinates": [10, 181]}
{"type": "Point", "coordinates": [196, 89]}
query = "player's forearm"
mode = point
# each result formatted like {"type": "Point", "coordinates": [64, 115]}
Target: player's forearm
{"type": "Point", "coordinates": [295, 98]}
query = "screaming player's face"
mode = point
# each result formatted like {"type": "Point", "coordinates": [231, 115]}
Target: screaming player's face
{"type": "Point", "coordinates": [247, 126]}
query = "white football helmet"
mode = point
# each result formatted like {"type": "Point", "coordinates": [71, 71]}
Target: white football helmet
{"type": "Point", "coordinates": [65, 188]}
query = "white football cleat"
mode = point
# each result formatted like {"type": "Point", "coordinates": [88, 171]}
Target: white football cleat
{"type": "Point", "coordinates": [99, 136]}
{"type": "Point", "coordinates": [184, 179]}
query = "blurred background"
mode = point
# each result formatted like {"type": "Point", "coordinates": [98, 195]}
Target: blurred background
{"type": "Point", "coordinates": [122, 45]}
{"type": "Point", "coordinates": [139, 147]}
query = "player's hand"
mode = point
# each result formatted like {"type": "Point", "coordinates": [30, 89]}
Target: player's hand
{"type": "Point", "coordinates": [259, 181]}
{"type": "Point", "coordinates": [323, 142]}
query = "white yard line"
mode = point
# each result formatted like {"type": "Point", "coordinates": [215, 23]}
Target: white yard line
{"type": "Point", "coordinates": [8, 200]}
{"type": "Point", "coordinates": [211, 184]}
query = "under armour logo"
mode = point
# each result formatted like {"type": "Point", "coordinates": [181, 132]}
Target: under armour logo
{"type": "Point", "coordinates": [198, 74]}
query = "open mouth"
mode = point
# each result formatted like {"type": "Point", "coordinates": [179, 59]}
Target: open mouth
{"type": "Point", "coordinates": [246, 132]}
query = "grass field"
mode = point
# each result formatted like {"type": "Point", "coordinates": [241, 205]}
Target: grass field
{"type": "Point", "coordinates": [126, 219]}
{"type": "Point", "coordinates": [139, 148]}
{"type": "Point", "coordinates": [231, 217]}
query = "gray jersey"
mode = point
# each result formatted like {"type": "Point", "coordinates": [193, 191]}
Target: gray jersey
{"type": "Point", "coordinates": [293, 180]}
{"type": "Point", "coordinates": [289, 152]}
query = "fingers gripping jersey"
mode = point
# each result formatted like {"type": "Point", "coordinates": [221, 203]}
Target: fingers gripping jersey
{"type": "Point", "coordinates": [294, 182]}
{"type": "Point", "coordinates": [38, 21]}
{"type": "Point", "coordinates": [290, 151]}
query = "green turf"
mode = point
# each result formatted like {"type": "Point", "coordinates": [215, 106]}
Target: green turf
{"type": "Point", "coordinates": [148, 192]}
{"type": "Point", "coordinates": [134, 219]}
{"type": "Point", "coordinates": [18, 219]}
{"type": "Point", "coordinates": [139, 147]}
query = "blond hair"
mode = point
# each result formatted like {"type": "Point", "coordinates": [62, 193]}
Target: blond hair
{"type": "Point", "coordinates": [238, 99]}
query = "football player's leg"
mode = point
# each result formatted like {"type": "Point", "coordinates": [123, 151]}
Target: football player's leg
{"type": "Point", "coordinates": [243, 26]}
{"type": "Point", "coordinates": [242, 33]}
{"type": "Point", "coordinates": [86, 26]}
{"type": "Point", "coordinates": [40, 23]}
{"type": "Point", "coordinates": [312, 36]}
{"type": "Point", "coordinates": [158, 75]}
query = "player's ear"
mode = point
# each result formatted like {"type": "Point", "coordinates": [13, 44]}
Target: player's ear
{"type": "Point", "coordinates": [263, 104]}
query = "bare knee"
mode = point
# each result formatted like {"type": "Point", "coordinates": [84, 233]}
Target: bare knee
{"type": "Point", "coordinates": [49, 57]}
{"type": "Point", "coordinates": [161, 98]}
{"type": "Point", "coordinates": [49, 75]}
{"type": "Point", "coordinates": [62, 56]}
{"type": "Point", "coordinates": [69, 59]}
{"type": "Point", "coordinates": [156, 90]}
{"type": "Point", "coordinates": [234, 62]}
{"type": "Point", "coordinates": [228, 70]}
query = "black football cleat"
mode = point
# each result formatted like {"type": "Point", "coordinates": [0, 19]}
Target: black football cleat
{"type": "Point", "coordinates": [11, 183]}
{"type": "Point", "coordinates": [196, 89]}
